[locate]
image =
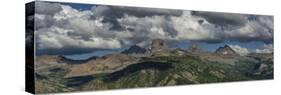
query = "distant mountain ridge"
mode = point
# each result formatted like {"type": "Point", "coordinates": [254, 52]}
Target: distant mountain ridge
{"type": "Point", "coordinates": [161, 67]}
{"type": "Point", "coordinates": [196, 49]}
{"type": "Point", "coordinates": [47, 59]}
{"type": "Point", "coordinates": [104, 64]}
{"type": "Point", "coordinates": [226, 51]}
{"type": "Point", "coordinates": [134, 50]}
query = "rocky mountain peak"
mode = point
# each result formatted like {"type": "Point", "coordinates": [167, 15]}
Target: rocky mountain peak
{"type": "Point", "coordinates": [158, 44]}
{"type": "Point", "coordinates": [226, 51]}
{"type": "Point", "coordinates": [195, 49]}
{"type": "Point", "coordinates": [134, 50]}
{"type": "Point", "coordinates": [159, 47]}
{"type": "Point", "coordinates": [227, 46]}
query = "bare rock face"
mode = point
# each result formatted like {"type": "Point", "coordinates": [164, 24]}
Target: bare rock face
{"type": "Point", "coordinates": [159, 48]}
{"type": "Point", "coordinates": [179, 52]}
{"type": "Point", "coordinates": [195, 49]}
{"type": "Point", "coordinates": [226, 51]}
{"type": "Point", "coordinates": [49, 59]}
{"type": "Point", "coordinates": [134, 50]}
{"type": "Point", "coordinates": [45, 64]}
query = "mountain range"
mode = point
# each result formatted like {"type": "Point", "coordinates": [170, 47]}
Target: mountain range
{"type": "Point", "coordinates": [134, 50]}
{"type": "Point", "coordinates": [158, 66]}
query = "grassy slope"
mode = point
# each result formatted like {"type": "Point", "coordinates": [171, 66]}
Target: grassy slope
{"type": "Point", "coordinates": [185, 70]}
{"type": "Point", "coordinates": [169, 70]}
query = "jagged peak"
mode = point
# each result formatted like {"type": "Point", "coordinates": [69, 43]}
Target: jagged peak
{"type": "Point", "coordinates": [226, 50]}
{"type": "Point", "coordinates": [134, 49]}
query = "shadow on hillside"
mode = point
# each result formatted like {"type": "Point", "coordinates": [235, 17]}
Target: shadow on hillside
{"type": "Point", "coordinates": [78, 81]}
{"type": "Point", "coordinates": [161, 66]}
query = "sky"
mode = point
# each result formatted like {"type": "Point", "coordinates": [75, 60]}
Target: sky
{"type": "Point", "coordinates": [83, 30]}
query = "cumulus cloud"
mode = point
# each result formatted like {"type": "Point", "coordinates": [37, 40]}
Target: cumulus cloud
{"type": "Point", "coordinates": [63, 29]}
{"type": "Point", "coordinates": [188, 28]}
{"type": "Point", "coordinates": [252, 31]}
{"type": "Point", "coordinates": [111, 13]}
{"type": "Point", "coordinates": [267, 48]}
{"type": "Point", "coordinates": [71, 29]}
{"type": "Point", "coordinates": [239, 26]}
{"type": "Point", "coordinates": [147, 28]}
{"type": "Point", "coordinates": [240, 50]}
{"type": "Point", "coordinates": [55, 37]}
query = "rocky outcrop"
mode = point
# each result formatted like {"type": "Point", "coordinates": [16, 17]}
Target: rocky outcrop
{"type": "Point", "coordinates": [49, 59]}
{"type": "Point", "coordinates": [195, 49]}
{"type": "Point", "coordinates": [179, 52]}
{"type": "Point", "coordinates": [226, 51]}
{"type": "Point", "coordinates": [134, 50]}
{"type": "Point", "coordinates": [159, 48]}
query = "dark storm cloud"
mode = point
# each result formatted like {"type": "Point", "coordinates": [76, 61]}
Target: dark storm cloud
{"type": "Point", "coordinates": [47, 8]}
{"type": "Point", "coordinates": [223, 19]}
{"type": "Point", "coordinates": [65, 51]}
{"type": "Point", "coordinates": [241, 27]}
{"type": "Point", "coordinates": [112, 13]}
{"type": "Point", "coordinates": [48, 21]}
{"type": "Point", "coordinates": [260, 29]}
{"type": "Point", "coordinates": [118, 11]}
